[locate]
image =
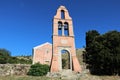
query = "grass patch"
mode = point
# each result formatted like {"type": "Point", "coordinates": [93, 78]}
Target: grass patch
{"type": "Point", "coordinates": [88, 77]}
{"type": "Point", "coordinates": [27, 78]}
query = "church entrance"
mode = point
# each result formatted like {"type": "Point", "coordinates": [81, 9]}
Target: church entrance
{"type": "Point", "coordinates": [65, 59]}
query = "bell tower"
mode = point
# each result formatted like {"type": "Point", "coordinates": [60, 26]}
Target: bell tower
{"type": "Point", "coordinates": [63, 40]}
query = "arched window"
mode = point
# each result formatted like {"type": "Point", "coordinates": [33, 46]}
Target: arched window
{"type": "Point", "coordinates": [62, 14]}
{"type": "Point", "coordinates": [60, 28]}
{"type": "Point", "coordinates": [66, 29]}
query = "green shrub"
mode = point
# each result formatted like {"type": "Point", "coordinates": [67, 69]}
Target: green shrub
{"type": "Point", "coordinates": [38, 70]}
{"type": "Point", "coordinates": [4, 56]}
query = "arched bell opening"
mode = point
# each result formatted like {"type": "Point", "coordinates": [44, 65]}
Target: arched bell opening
{"type": "Point", "coordinates": [62, 14]}
{"type": "Point", "coordinates": [66, 29]}
{"type": "Point", "coordinates": [60, 28]}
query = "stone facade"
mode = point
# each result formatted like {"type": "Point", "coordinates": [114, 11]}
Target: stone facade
{"type": "Point", "coordinates": [14, 69]}
{"type": "Point", "coordinates": [42, 53]}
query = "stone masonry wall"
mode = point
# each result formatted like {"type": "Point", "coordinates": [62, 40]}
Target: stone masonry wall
{"type": "Point", "coordinates": [14, 69]}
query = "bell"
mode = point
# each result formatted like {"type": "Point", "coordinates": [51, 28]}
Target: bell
{"type": "Point", "coordinates": [66, 27]}
{"type": "Point", "coordinates": [59, 27]}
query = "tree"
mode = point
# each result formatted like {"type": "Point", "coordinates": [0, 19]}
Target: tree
{"type": "Point", "coordinates": [4, 56]}
{"type": "Point", "coordinates": [90, 38]}
{"type": "Point", "coordinates": [103, 52]}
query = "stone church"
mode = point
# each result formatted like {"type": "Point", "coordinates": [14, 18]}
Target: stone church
{"type": "Point", "coordinates": [62, 43]}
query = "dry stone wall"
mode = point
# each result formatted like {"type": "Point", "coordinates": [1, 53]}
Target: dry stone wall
{"type": "Point", "coordinates": [14, 69]}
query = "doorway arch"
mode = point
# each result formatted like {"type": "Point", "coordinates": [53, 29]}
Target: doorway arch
{"type": "Point", "coordinates": [65, 59]}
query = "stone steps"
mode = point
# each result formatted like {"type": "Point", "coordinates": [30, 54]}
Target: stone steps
{"type": "Point", "coordinates": [65, 75]}
{"type": "Point", "coordinates": [68, 75]}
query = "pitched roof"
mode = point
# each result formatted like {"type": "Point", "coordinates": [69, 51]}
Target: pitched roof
{"type": "Point", "coordinates": [47, 43]}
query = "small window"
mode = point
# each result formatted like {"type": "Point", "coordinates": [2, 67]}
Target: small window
{"type": "Point", "coordinates": [47, 62]}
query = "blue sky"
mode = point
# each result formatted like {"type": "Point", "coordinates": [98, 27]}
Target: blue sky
{"type": "Point", "coordinates": [25, 24]}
